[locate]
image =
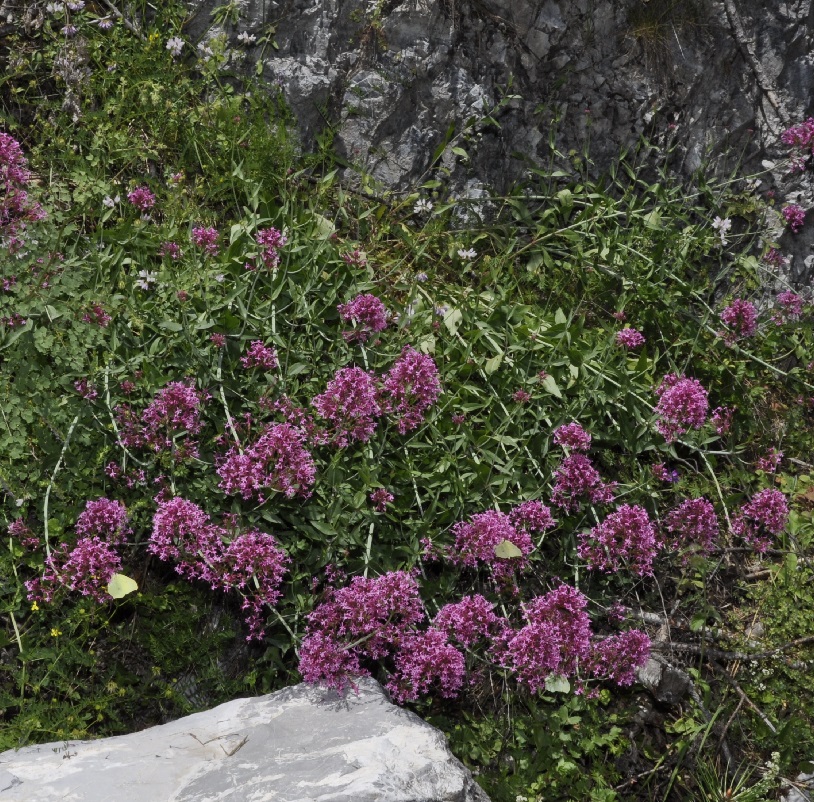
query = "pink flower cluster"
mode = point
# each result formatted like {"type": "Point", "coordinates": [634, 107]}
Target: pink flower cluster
{"type": "Point", "coordinates": [176, 408]}
{"type": "Point", "coordinates": [661, 473]}
{"type": "Point", "coordinates": [625, 537]}
{"type": "Point", "coordinates": [426, 659]}
{"type": "Point", "coordinates": [410, 388]}
{"type": "Point", "coordinates": [795, 217]}
{"type": "Point", "coordinates": [19, 529]}
{"type": "Point", "coordinates": [618, 656]}
{"type": "Point", "coordinates": [171, 249]}
{"type": "Point", "coordinates": [556, 637]}
{"type": "Point", "coordinates": [251, 562]}
{"type": "Point", "coordinates": [573, 436]}
{"type": "Point", "coordinates": [206, 239]}
{"type": "Point", "coordinates": [349, 404]}
{"type": "Point", "coordinates": [683, 404]}
{"type": "Point", "coordinates": [104, 518]}
{"type": "Point", "coordinates": [694, 524]}
{"type": "Point", "coordinates": [259, 356]}
{"type": "Point", "coordinates": [770, 461]}
{"type": "Point", "coordinates": [532, 516]}
{"type": "Point", "coordinates": [468, 621]}
{"type": "Point", "coordinates": [87, 568]}
{"type": "Point", "coordinates": [767, 512]}
{"type": "Point", "coordinates": [630, 338]}
{"type": "Point", "coordinates": [141, 198]}
{"type": "Point", "coordinates": [800, 136]}
{"type": "Point", "coordinates": [741, 318]}
{"type": "Point", "coordinates": [86, 389]}
{"type": "Point", "coordinates": [277, 460]}
{"type": "Point", "coordinates": [16, 208]}
{"type": "Point", "coordinates": [476, 540]}
{"type": "Point", "coordinates": [270, 241]}
{"type": "Point", "coordinates": [367, 314]}
{"type": "Point", "coordinates": [789, 308]}
{"type": "Point", "coordinates": [97, 315]}
{"type": "Point", "coordinates": [576, 480]}
{"type": "Point", "coordinates": [722, 419]}
{"type": "Point", "coordinates": [367, 618]}
{"type": "Point", "coordinates": [381, 498]}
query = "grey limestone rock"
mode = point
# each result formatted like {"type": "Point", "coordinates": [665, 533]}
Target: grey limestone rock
{"type": "Point", "coordinates": [301, 744]}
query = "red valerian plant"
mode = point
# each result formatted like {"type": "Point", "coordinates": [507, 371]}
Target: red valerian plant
{"type": "Point", "coordinates": [682, 405]}
{"type": "Point", "coordinates": [625, 537]}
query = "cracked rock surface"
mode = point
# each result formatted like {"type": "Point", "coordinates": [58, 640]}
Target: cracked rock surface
{"type": "Point", "coordinates": [301, 744]}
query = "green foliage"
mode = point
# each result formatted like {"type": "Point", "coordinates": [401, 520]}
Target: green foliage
{"type": "Point", "coordinates": [532, 311]}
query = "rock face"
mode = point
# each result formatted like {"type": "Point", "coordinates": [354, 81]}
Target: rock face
{"type": "Point", "coordinates": [400, 83]}
{"type": "Point", "coordinates": [300, 744]}
{"type": "Point", "coordinates": [392, 76]}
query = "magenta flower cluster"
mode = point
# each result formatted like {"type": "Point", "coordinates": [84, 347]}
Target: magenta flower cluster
{"type": "Point", "coordinates": [766, 513]}
{"type": "Point", "coordinates": [349, 405]}
{"type": "Point", "coordinates": [97, 314]}
{"type": "Point", "coordinates": [770, 461]}
{"type": "Point", "coordinates": [532, 516]}
{"type": "Point", "coordinates": [573, 436]}
{"type": "Point", "coordinates": [721, 419]}
{"type": "Point", "coordinates": [17, 210]}
{"type": "Point", "coordinates": [468, 621]}
{"type": "Point", "coordinates": [795, 217]}
{"type": "Point", "coordinates": [259, 355]}
{"type": "Point", "coordinates": [477, 538]}
{"type": "Point", "coordinates": [367, 314]}
{"type": "Point", "coordinates": [801, 138]}
{"type": "Point", "coordinates": [625, 537]}
{"type": "Point", "coordinates": [206, 239]}
{"type": "Point", "coordinates": [789, 308]}
{"type": "Point", "coordinates": [683, 405]}
{"type": "Point", "coordinates": [630, 338]}
{"type": "Point", "coordinates": [410, 388]}
{"type": "Point", "coordinates": [104, 518]}
{"type": "Point", "coordinates": [660, 472]}
{"type": "Point", "coordinates": [270, 241]}
{"type": "Point", "coordinates": [693, 524]}
{"type": "Point", "coordinates": [576, 480]}
{"type": "Point", "coordinates": [176, 408]}
{"type": "Point", "coordinates": [278, 460]}
{"type": "Point", "coordinates": [141, 198]}
{"type": "Point", "coordinates": [252, 562]}
{"type": "Point", "coordinates": [381, 498]}
{"type": "Point", "coordinates": [741, 318]}
{"type": "Point", "coordinates": [19, 530]}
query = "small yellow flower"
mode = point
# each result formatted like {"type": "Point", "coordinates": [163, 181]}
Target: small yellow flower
{"type": "Point", "coordinates": [35, 607]}
{"type": "Point", "coordinates": [55, 633]}
{"type": "Point", "coordinates": [153, 38]}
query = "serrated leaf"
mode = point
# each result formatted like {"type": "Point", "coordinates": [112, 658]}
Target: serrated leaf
{"type": "Point", "coordinates": [506, 550]}
{"type": "Point", "coordinates": [550, 386]}
{"type": "Point", "coordinates": [121, 586]}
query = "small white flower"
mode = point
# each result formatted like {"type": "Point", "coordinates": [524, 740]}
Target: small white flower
{"type": "Point", "coordinates": [422, 206]}
{"type": "Point", "coordinates": [219, 277]}
{"type": "Point", "coordinates": [19, 502]}
{"type": "Point", "coordinates": [76, 5]}
{"type": "Point", "coordinates": [422, 277]}
{"type": "Point", "coordinates": [146, 278]}
{"type": "Point", "coordinates": [247, 38]}
{"type": "Point", "coordinates": [722, 226]}
{"type": "Point", "coordinates": [175, 45]}
{"type": "Point", "coordinates": [468, 255]}
{"type": "Point", "coordinates": [55, 8]}
{"type": "Point", "coordinates": [108, 201]}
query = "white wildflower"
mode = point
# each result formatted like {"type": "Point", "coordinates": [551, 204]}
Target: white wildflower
{"type": "Point", "coordinates": [247, 38]}
{"type": "Point", "coordinates": [175, 45]}
{"type": "Point", "coordinates": [468, 255]}
{"type": "Point", "coordinates": [422, 206]}
{"type": "Point", "coordinates": [722, 226]}
{"type": "Point", "coordinates": [146, 278]}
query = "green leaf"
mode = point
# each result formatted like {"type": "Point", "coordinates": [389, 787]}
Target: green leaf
{"type": "Point", "coordinates": [170, 325]}
{"type": "Point", "coordinates": [653, 219]}
{"type": "Point", "coordinates": [121, 585]}
{"type": "Point", "coordinates": [559, 317]}
{"type": "Point", "coordinates": [506, 550]}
